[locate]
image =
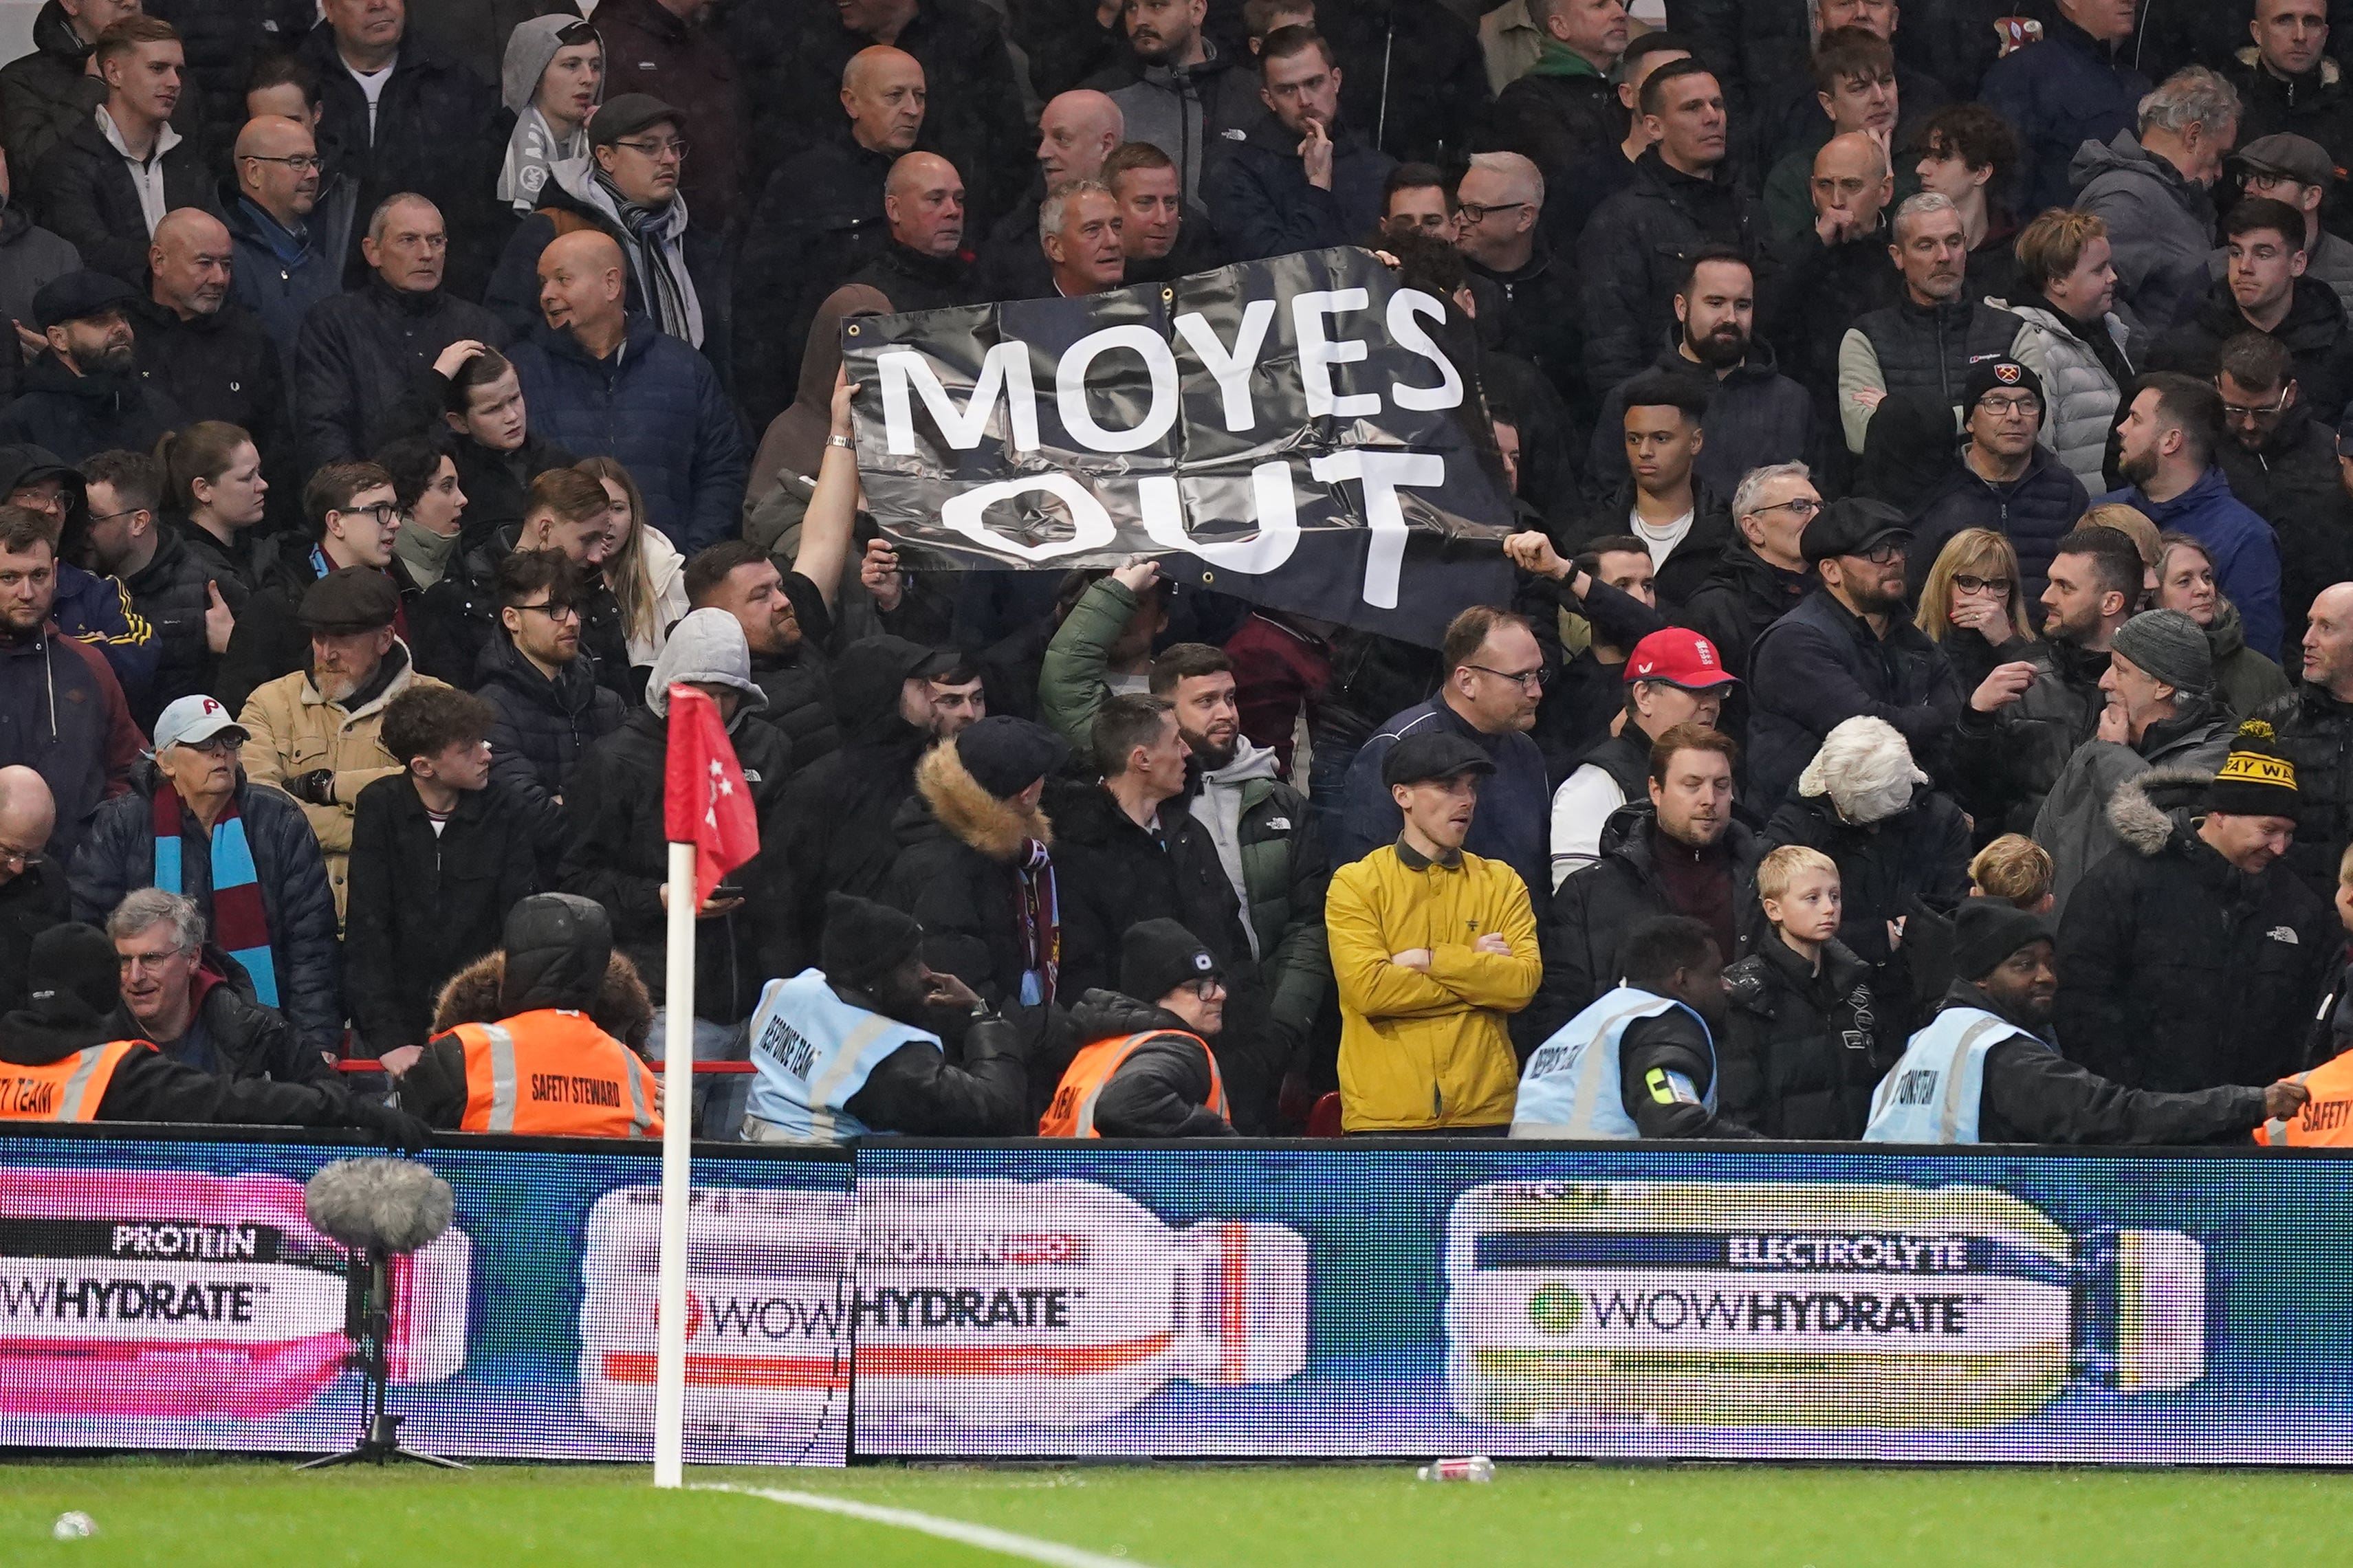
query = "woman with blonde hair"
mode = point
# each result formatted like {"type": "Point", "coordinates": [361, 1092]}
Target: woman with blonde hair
{"type": "Point", "coordinates": [1973, 606]}
{"type": "Point", "coordinates": [643, 568]}
{"type": "Point", "coordinates": [2244, 679]}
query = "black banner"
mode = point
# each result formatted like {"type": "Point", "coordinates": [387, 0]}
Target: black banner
{"type": "Point", "coordinates": [1289, 431]}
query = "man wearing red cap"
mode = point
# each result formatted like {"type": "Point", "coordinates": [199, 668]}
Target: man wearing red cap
{"type": "Point", "coordinates": [1673, 677]}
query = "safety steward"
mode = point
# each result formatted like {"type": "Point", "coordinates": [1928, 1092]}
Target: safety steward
{"type": "Point", "coordinates": [1148, 1071]}
{"type": "Point", "coordinates": [62, 1059]}
{"type": "Point", "coordinates": [1984, 1071]}
{"type": "Point", "coordinates": [546, 1064]}
{"type": "Point", "coordinates": [861, 1044]}
{"type": "Point", "coordinates": [1640, 1061]}
{"type": "Point", "coordinates": [2324, 1121]}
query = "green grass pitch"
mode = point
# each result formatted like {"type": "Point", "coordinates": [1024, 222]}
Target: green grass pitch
{"type": "Point", "coordinates": [259, 1515]}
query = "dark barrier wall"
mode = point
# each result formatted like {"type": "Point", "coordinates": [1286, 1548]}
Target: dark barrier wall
{"type": "Point", "coordinates": [1251, 1299]}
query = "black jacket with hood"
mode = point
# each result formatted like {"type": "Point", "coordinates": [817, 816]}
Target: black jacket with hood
{"type": "Point", "coordinates": [2177, 970]}
{"type": "Point", "coordinates": [2316, 333]}
{"type": "Point", "coordinates": [1695, 558]}
{"type": "Point", "coordinates": [75, 416]}
{"type": "Point", "coordinates": [1162, 1088]}
{"type": "Point", "coordinates": [83, 191]}
{"type": "Point", "coordinates": [958, 873]}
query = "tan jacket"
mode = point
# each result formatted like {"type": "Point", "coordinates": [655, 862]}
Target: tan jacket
{"type": "Point", "coordinates": [293, 730]}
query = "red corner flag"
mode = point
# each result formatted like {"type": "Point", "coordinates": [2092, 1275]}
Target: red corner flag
{"type": "Point", "coordinates": [705, 803]}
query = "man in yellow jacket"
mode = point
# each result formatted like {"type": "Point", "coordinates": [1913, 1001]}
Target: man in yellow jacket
{"type": "Point", "coordinates": [1434, 949]}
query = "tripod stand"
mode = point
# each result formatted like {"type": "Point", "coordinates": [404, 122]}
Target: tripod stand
{"type": "Point", "coordinates": [367, 1322]}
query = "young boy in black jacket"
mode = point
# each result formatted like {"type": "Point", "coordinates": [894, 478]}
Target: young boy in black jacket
{"type": "Point", "coordinates": [1801, 1051]}
{"type": "Point", "coordinates": [437, 862]}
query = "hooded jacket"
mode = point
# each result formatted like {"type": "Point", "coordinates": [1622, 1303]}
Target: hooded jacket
{"type": "Point", "coordinates": [2177, 970]}
{"type": "Point", "coordinates": [2160, 228]}
{"type": "Point", "coordinates": [545, 961]}
{"type": "Point", "coordinates": [2245, 551]}
{"type": "Point", "coordinates": [1190, 112]}
{"type": "Point", "coordinates": [119, 854]}
{"type": "Point", "coordinates": [1755, 416]}
{"type": "Point", "coordinates": [74, 416]}
{"type": "Point", "coordinates": [532, 147]}
{"type": "Point", "coordinates": [424, 902]}
{"type": "Point", "coordinates": [2068, 91]}
{"type": "Point", "coordinates": [655, 407]}
{"type": "Point", "coordinates": [617, 851]}
{"type": "Point", "coordinates": [1271, 846]}
{"type": "Point", "coordinates": [361, 354]}
{"type": "Point", "coordinates": [1633, 252]}
{"type": "Point", "coordinates": [2245, 682]}
{"type": "Point", "coordinates": [83, 191]}
{"type": "Point", "coordinates": [2074, 823]}
{"type": "Point", "coordinates": [959, 873]}
{"type": "Point", "coordinates": [2316, 333]}
{"type": "Point", "coordinates": [2079, 394]}
{"type": "Point", "coordinates": [1802, 1049]}
{"type": "Point", "coordinates": [1163, 1086]}
{"type": "Point", "coordinates": [1258, 196]}
{"type": "Point", "coordinates": [542, 728]}
{"type": "Point", "coordinates": [46, 92]}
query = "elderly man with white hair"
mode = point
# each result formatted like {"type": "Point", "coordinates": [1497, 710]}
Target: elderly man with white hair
{"type": "Point", "coordinates": [1501, 198]}
{"type": "Point", "coordinates": [2151, 190]}
{"type": "Point", "coordinates": [195, 1003]}
{"type": "Point", "coordinates": [1899, 845]}
{"type": "Point", "coordinates": [32, 887]}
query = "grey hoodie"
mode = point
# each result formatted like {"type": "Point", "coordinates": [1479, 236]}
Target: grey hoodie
{"type": "Point", "coordinates": [533, 150]}
{"type": "Point", "coordinates": [707, 645]}
{"type": "Point", "coordinates": [2160, 226]}
{"type": "Point", "coordinates": [1219, 810]}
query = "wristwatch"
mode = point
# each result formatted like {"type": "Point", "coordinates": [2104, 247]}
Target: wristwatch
{"type": "Point", "coordinates": [844, 442]}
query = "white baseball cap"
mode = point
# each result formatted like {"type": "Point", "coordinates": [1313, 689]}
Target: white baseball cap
{"type": "Point", "coordinates": [192, 720]}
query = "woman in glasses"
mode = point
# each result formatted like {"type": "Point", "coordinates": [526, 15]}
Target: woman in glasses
{"type": "Point", "coordinates": [2244, 679]}
{"type": "Point", "coordinates": [552, 82]}
{"type": "Point", "coordinates": [1972, 605]}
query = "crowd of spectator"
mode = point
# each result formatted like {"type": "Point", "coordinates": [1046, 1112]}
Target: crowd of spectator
{"type": "Point", "coordinates": [1933, 625]}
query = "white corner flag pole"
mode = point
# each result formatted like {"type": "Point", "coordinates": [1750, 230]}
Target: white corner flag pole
{"type": "Point", "coordinates": [677, 1117]}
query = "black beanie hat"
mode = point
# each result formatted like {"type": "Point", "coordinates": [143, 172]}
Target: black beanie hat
{"type": "Point", "coordinates": [2254, 780]}
{"type": "Point", "coordinates": [1005, 755]}
{"type": "Point", "coordinates": [864, 940]}
{"type": "Point", "coordinates": [78, 980]}
{"type": "Point", "coordinates": [1987, 930]}
{"type": "Point", "coordinates": [1157, 956]}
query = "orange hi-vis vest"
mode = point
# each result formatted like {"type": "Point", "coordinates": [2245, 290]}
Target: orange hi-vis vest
{"type": "Point", "coordinates": [555, 1073]}
{"type": "Point", "coordinates": [1072, 1113]}
{"type": "Point", "coordinates": [2324, 1121]}
{"type": "Point", "coordinates": [67, 1090]}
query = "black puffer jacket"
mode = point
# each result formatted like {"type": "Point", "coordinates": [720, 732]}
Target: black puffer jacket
{"type": "Point", "coordinates": [2033, 511]}
{"type": "Point", "coordinates": [2316, 733]}
{"type": "Point", "coordinates": [542, 729]}
{"type": "Point", "coordinates": [117, 854]}
{"type": "Point", "coordinates": [84, 193]}
{"type": "Point", "coordinates": [2293, 484]}
{"type": "Point", "coordinates": [74, 416]}
{"type": "Point", "coordinates": [1927, 349]}
{"type": "Point", "coordinates": [1632, 255]}
{"type": "Point", "coordinates": [1555, 119]}
{"type": "Point", "coordinates": [959, 874]}
{"type": "Point", "coordinates": [361, 355]}
{"type": "Point", "coordinates": [169, 594]}
{"type": "Point", "coordinates": [1412, 78]}
{"type": "Point", "coordinates": [248, 1041]}
{"type": "Point", "coordinates": [1110, 874]}
{"type": "Point", "coordinates": [2177, 970]}
{"type": "Point", "coordinates": [1802, 1050]}
{"type": "Point", "coordinates": [30, 903]}
{"type": "Point", "coordinates": [434, 134]}
{"type": "Point", "coordinates": [618, 855]}
{"type": "Point", "coordinates": [425, 904]}
{"type": "Point", "coordinates": [2006, 761]}
{"type": "Point", "coordinates": [2317, 337]}
{"type": "Point", "coordinates": [798, 682]}
{"type": "Point", "coordinates": [1162, 1088]}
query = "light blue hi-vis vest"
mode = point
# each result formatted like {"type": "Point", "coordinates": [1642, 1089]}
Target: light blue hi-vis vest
{"type": "Point", "coordinates": [1571, 1086]}
{"type": "Point", "coordinates": [811, 1053]}
{"type": "Point", "coordinates": [1932, 1094]}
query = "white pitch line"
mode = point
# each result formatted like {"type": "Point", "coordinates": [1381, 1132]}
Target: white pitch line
{"type": "Point", "coordinates": [1003, 1541]}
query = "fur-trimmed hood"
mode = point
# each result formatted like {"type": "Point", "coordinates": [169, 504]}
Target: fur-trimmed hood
{"type": "Point", "coordinates": [997, 829]}
{"type": "Point", "coordinates": [2147, 810]}
{"type": "Point", "coordinates": [622, 1008]}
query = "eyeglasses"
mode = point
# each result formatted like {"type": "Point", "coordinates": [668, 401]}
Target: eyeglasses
{"type": "Point", "coordinates": [301, 163]}
{"type": "Point", "coordinates": [383, 512]}
{"type": "Point", "coordinates": [1968, 585]}
{"type": "Point", "coordinates": [658, 151]}
{"type": "Point", "coordinates": [1878, 555]}
{"type": "Point", "coordinates": [110, 516]}
{"type": "Point", "coordinates": [2025, 407]}
{"type": "Point", "coordinates": [132, 962]}
{"type": "Point", "coordinates": [1205, 987]}
{"type": "Point", "coordinates": [1802, 508]}
{"type": "Point", "coordinates": [2233, 413]}
{"type": "Point", "coordinates": [223, 742]}
{"type": "Point", "coordinates": [1520, 677]}
{"type": "Point", "coordinates": [23, 859]}
{"type": "Point", "coordinates": [1473, 213]}
{"type": "Point", "coordinates": [553, 611]}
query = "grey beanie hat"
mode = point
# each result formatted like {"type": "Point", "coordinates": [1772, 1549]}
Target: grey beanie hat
{"type": "Point", "coordinates": [2170, 647]}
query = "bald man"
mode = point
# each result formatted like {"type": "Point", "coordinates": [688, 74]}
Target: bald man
{"type": "Point", "coordinates": [924, 268]}
{"type": "Point", "coordinates": [32, 887]}
{"type": "Point", "coordinates": [1502, 235]}
{"type": "Point", "coordinates": [290, 222]}
{"type": "Point", "coordinates": [212, 355]}
{"type": "Point", "coordinates": [820, 220]}
{"type": "Point", "coordinates": [359, 354]}
{"type": "Point", "coordinates": [1076, 133]}
{"type": "Point", "coordinates": [1835, 271]}
{"type": "Point", "coordinates": [603, 381]}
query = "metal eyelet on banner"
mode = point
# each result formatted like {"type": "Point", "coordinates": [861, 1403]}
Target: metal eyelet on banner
{"type": "Point", "coordinates": [853, 329]}
{"type": "Point", "coordinates": [1208, 578]}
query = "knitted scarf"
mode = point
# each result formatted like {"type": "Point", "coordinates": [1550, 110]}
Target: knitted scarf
{"type": "Point", "coordinates": [240, 923]}
{"type": "Point", "coordinates": [1037, 922]}
{"type": "Point", "coordinates": [669, 298]}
